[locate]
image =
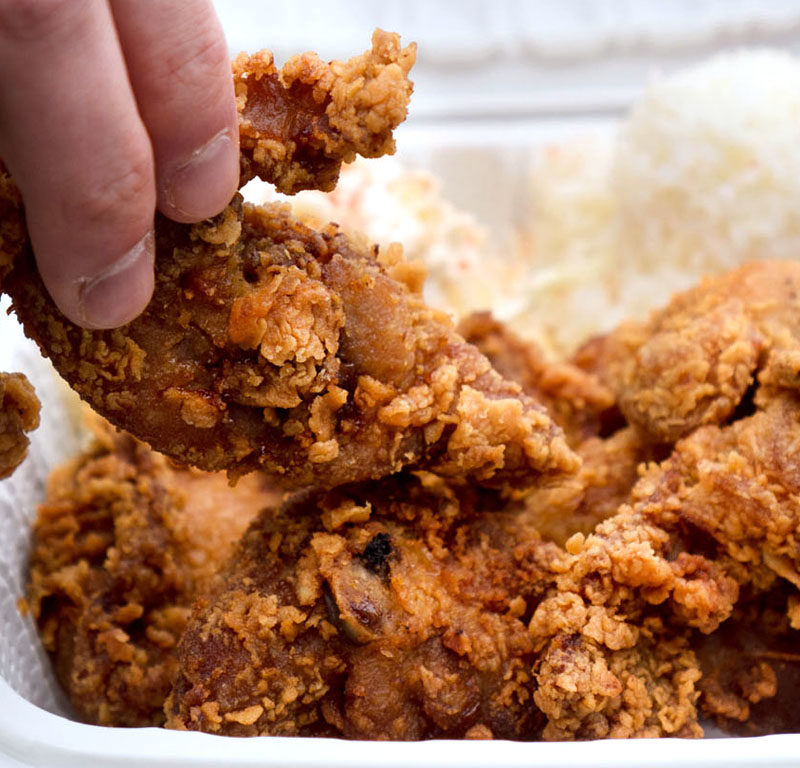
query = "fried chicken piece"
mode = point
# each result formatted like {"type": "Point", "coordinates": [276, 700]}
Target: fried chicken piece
{"type": "Point", "coordinates": [123, 545]}
{"type": "Point", "coordinates": [585, 409]}
{"type": "Point", "coordinates": [720, 515]}
{"type": "Point", "coordinates": [298, 125]}
{"type": "Point", "coordinates": [740, 485]}
{"type": "Point", "coordinates": [589, 690]}
{"type": "Point", "coordinates": [304, 354]}
{"type": "Point", "coordinates": [388, 610]}
{"type": "Point", "coordinates": [578, 402]}
{"type": "Point", "coordinates": [751, 666]}
{"type": "Point", "coordinates": [613, 632]}
{"type": "Point", "coordinates": [19, 414]}
{"type": "Point", "coordinates": [695, 360]}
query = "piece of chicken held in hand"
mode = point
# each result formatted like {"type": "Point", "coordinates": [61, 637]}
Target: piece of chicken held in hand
{"type": "Point", "coordinates": [302, 353]}
{"type": "Point", "coordinates": [297, 125]}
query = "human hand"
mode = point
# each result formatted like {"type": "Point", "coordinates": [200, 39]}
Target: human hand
{"type": "Point", "coordinates": [109, 109]}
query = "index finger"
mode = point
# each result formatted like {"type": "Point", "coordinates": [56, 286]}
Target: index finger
{"type": "Point", "coordinates": [71, 135]}
{"type": "Point", "coordinates": [178, 63]}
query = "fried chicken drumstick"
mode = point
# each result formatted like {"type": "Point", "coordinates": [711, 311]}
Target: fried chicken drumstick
{"type": "Point", "coordinates": [389, 610]}
{"type": "Point", "coordinates": [304, 354]}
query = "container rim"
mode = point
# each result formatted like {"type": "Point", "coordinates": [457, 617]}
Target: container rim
{"type": "Point", "coordinates": [40, 739]}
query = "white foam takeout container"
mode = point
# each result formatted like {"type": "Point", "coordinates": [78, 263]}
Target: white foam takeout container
{"type": "Point", "coordinates": [484, 162]}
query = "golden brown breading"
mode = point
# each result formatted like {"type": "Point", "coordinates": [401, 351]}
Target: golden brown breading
{"type": "Point", "coordinates": [298, 125]}
{"type": "Point", "coordinates": [578, 402]}
{"type": "Point", "coordinates": [577, 503]}
{"type": "Point", "coordinates": [693, 362]}
{"type": "Point", "coordinates": [590, 690]}
{"type": "Point", "coordinates": [740, 485]}
{"type": "Point", "coordinates": [613, 633]}
{"type": "Point", "coordinates": [304, 354]}
{"type": "Point", "coordinates": [389, 610]}
{"type": "Point", "coordinates": [122, 547]}
{"type": "Point", "coordinates": [720, 514]}
{"type": "Point", "coordinates": [585, 409]}
{"type": "Point", "coordinates": [19, 413]}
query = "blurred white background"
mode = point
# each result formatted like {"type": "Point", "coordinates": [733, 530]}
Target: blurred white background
{"type": "Point", "coordinates": [494, 77]}
{"type": "Point", "coordinates": [514, 59]}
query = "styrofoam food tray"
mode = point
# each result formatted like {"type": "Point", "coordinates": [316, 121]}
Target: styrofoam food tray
{"type": "Point", "coordinates": [35, 729]}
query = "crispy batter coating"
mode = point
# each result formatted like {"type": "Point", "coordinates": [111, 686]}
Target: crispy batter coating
{"type": "Point", "coordinates": [589, 690]}
{"type": "Point", "coordinates": [613, 634]}
{"type": "Point", "coordinates": [578, 402]}
{"type": "Point", "coordinates": [577, 503]}
{"type": "Point", "coordinates": [123, 545]}
{"type": "Point", "coordinates": [718, 516]}
{"type": "Point", "coordinates": [693, 362]}
{"type": "Point", "coordinates": [19, 413]}
{"type": "Point", "coordinates": [389, 610]}
{"type": "Point", "coordinates": [740, 485]}
{"type": "Point", "coordinates": [297, 125]}
{"type": "Point", "coordinates": [584, 408]}
{"type": "Point", "coordinates": [304, 354]}
{"type": "Point", "coordinates": [417, 606]}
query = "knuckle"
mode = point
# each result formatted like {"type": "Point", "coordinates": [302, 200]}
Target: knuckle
{"type": "Point", "coordinates": [27, 20]}
{"type": "Point", "coordinates": [196, 61]}
{"type": "Point", "coordinates": [120, 196]}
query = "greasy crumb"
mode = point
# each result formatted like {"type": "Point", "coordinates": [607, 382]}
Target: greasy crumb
{"type": "Point", "coordinates": [19, 414]}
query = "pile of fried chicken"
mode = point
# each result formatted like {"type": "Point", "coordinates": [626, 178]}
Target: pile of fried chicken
{"type": "Point", "coordinates": [434, 532]}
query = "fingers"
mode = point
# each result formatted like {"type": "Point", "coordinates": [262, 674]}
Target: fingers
{"type": "Point", "coordinates": [178, 64]}
{"type": "Point", "coordinates": [71, 136]}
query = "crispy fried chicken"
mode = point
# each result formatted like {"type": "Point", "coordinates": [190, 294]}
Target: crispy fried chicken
{"type": "Point", "coordinates": [297, 125]}
{"type": "Point", "coordinates": [300, 353]}
{"type": "Point", "coordinates": [123, 545]}
{"type": "Point", "coordinates": [695, 360]}
{"type": "Point", "coordinates": [718, 518]}
{"type": "Point", "coordinates": [390, 610]}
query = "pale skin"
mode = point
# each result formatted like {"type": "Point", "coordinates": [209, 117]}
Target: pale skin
{"type": "Point", "coordinates": [109, 110]}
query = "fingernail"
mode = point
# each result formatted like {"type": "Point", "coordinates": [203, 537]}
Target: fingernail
{"type": "Point", "coordinates": [119, 293]}
{"type": "Point", "coordinates": [205, 183]}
